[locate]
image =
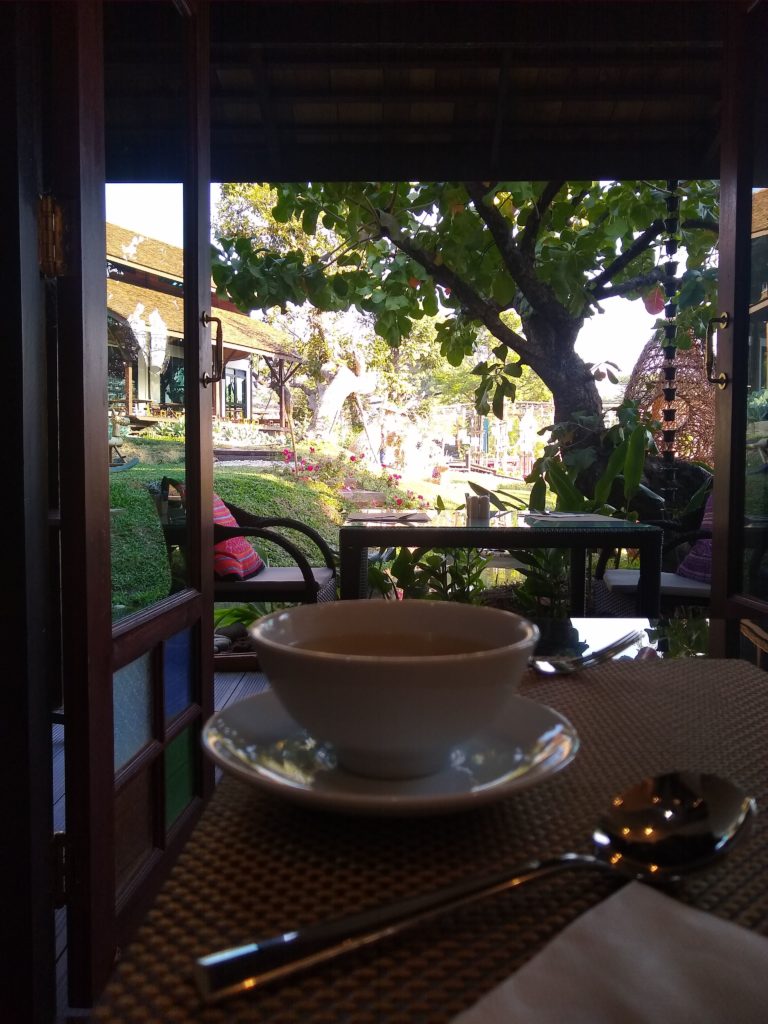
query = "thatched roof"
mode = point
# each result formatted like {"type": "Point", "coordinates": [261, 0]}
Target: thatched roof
{"type": "Point", "coordinates": [145, 253]}
{"type": "Point", "coordinates": [760, 212]}
{"type": "Point", "coordinates": [137, 252]}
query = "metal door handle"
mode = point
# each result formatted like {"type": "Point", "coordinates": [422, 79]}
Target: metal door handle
{"type": "Point", "coordinates": [218, 355]}
{"type": "Point", "coordinates": [724, 320]}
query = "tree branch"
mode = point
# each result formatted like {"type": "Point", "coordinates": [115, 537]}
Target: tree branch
{"type": "Point", "coordinates": [701, 224]}
{"type": "Point", "coordinates": [475, 304]}
{"type": "Point", "coordinates": [539, 295]}
{"type": "Point", "coordinates": [640, 244]}
{"type": "Point", "coordinates": [632, 284]}
{"type": "Point", "coordinates": [531, 230]}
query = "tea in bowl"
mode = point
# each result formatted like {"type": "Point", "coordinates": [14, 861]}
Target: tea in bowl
{"type": "Point", "coordinates": [395, 686]}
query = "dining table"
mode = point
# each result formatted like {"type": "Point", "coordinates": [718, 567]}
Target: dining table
{"type": "Point", "coordinates": [504, 531]}
{"type": "Point", "coordinates": [257, 864]}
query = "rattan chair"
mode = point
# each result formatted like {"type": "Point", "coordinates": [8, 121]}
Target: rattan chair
{"type": "Point", "coordinates": [299, 583]}
{"type": "Point", "coordinates": [614, 591]}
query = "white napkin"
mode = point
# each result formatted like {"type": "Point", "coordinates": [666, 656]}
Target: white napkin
{"type": "Point", "coordinates": [638, 957]}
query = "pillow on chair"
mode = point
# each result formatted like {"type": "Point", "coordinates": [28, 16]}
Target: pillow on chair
{"type": "Point", "coordinates": [697, 564]}
{"type": "Point", "coordinates": [234, 557]}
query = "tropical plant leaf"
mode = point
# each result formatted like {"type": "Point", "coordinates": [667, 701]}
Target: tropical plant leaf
{"type": "Point", "coordinates": [611, 471]}
{"type": "Point", "coordinates": [569, 498]}
{"type": "Point", "coordinates": [634, 462]}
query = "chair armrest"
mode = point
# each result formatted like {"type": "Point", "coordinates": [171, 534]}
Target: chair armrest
{"type": "Point", "coordinates": [245, 518]}
{"type": "Point", "coordinates": [221, 533]}
{"type": "Point", "coordinates": [178, 485]}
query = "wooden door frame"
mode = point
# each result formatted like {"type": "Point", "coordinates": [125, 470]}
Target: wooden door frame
{"type": "Point", "coordinates": [728, 606]}
{"type": "Point", "coordinates": [92, 649]}
{"type": "Point", "coordinates": [77, 179]}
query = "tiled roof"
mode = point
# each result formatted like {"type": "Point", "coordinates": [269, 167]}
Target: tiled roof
{"type": "Point", "coordinates": [153, 256]}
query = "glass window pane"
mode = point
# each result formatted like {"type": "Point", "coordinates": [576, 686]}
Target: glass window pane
{"type": "Point", "coordinates": [179, 774]}
{"type": "Point", "coordinates": [132, 695]}
{"type": "Point", "coordinates": [146, 391]}
{"type": "Point", "coordinates": [177, 673]}
{"type": "Point", "coordinates": [134, 839]}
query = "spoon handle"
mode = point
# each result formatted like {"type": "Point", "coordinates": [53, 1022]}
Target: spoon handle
{"type": "Point", "coordinates": [242, 968]}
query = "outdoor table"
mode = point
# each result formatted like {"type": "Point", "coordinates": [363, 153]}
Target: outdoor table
{"type": "Point", "coordinates": [508, 532]}
{"type": "Point", "coordinates": [256, 865]}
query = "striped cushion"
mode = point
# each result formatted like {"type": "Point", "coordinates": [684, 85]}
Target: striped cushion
{"type": "Point", "coordinates": [697, 564]}
{"type": "Point", "coordinates": [234, 558]}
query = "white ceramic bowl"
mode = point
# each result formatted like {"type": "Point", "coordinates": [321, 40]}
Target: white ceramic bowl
{"type": "Point", "coordinates": [388, 713]}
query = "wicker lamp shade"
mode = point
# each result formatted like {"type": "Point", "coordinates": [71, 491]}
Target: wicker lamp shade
{"type": "Point", "coordinates": [694, 401]}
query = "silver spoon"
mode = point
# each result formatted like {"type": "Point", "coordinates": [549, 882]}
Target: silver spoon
{"type": "Point", "coordinates": [657, 830]}
{"type": "Point", "coordinates": [563, 666]}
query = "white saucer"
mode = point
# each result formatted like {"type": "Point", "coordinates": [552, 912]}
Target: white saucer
{"type": "Point", "coordinates": [258, 741]}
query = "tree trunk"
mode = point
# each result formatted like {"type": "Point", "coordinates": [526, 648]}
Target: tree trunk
{"type": "Point", "coordinates": [553, 357]}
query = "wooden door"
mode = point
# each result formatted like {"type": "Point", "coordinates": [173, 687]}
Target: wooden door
{"type": "Point", "coordinates": [740, 563]}
{"type": "Point", "coordinates": [137, 664]}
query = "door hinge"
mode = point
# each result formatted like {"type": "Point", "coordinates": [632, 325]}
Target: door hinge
{"type": "Point", "coordinates": [50, 236]}
{"type": "Point", "coordinates": [59, 858]}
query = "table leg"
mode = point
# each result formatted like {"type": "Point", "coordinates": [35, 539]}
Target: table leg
{"type": "Point", "coordinates": [353, 572]}
{"type": "Point", "coordinates": [578, 582]}
{"type": "Point", "coordinates": [649, 585]}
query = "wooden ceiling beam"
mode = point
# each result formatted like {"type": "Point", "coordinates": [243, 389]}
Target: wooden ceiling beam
{"type": "Point", "coordinates": [414, 162]}
{"type": "Point", "coordinates": [353, 58]}
{"type": "Point", "coordinates": [597, 93]}
{"type": "Point", "coordinates": [265, 101]}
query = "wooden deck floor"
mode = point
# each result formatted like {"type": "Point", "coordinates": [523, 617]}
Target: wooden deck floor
{"type": "Point", "coordinates": [229, 687]}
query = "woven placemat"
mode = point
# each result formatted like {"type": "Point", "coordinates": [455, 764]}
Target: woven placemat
{"type": "Point", "coordinates": [257, 865]}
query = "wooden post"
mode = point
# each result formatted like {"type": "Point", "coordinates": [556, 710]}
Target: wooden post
{"type": "Point", "coordinates": [128, 389]}
{"type": "Point", "coordinates": [281, 393]}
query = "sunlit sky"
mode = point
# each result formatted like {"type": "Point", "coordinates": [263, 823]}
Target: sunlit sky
{"type": "Point", "coordinates": [618, 334]}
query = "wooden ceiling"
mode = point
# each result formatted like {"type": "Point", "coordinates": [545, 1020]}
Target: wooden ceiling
{"type": "Point", "coordinates": [424, 90]}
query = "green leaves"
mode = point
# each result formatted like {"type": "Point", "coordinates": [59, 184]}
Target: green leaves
{"type": "Point", "coordinates": [442, 574]}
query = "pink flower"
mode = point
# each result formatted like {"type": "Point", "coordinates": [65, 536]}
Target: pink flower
{"type": "Point", "coordinates": [309, 468]}
{"type": "Point", "coordinates": [420, 497]}
{"type": "Point", "coordinates": [352, 458]}
{"type": "Point", "coordinates": [311, 451]}
{"type": "Point", "coordinates": [399, 501]}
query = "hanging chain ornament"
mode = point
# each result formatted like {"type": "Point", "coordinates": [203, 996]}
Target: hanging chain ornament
{"type": "Point", "coordinates": [669, 343]}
